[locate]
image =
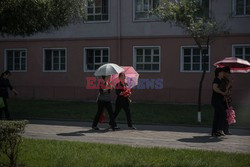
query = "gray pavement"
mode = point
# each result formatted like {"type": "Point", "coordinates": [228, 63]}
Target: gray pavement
{"type": "Point", "coordinates": [144, 136]}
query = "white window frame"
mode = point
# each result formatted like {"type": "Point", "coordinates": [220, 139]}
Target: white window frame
{"type": "Point", "coordinates": [142, 20]}
{"type": "Point", "coordinates": [146, 47]}
{"type": "Point", "coordinates": [239, 45]}
{"type": "Point", "coordinates": [16, 49]}
{"type": "Point", "coordinates": [84, 57]}
{"type": "Point", "coordinates": [234, 9]}
{"type": "Point", "coordinates": [182, 59]}
{"type": "Point", "coordinates": [100, 21]}
{"type": "Point", "coordinates": [66, 60]}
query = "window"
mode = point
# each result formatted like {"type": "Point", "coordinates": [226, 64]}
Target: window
{"type": "Point", "coordinates": [206, 7]}
{"type": "Point", "coordinates": [191, 59]}
{"type": "Point", "coordinates": [16, 60]}
{"type": "Point", "coordinates": [95, 57]}
{"type": "Point", "coordinates": [147, 59]}
{"type": "Point", "coordinates": [242, 51]}
{"type": "Point", "coordinates": [143, 9]}
{"type": "Point", "coordinates": [241, 7]}
{"type": "Point", "coordinates": [97, 10]}
{"type": "Point", "coordinates": [55, 60]}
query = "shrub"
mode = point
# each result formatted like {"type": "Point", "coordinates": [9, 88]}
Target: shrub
{"type": "Point", "coordinates": [10, 139]}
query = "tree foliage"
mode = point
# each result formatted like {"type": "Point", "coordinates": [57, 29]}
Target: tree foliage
{"type": "Point", "coordinates": [26, 17]}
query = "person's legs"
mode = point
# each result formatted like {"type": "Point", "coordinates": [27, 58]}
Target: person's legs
{"type": "Point", "coordinates": [126, 108]}
{"type": "Point", "coordinates": [6, 110]}
{"type": "Point", "coordinates": [99, 111]}
{"type": "Point", "coordinates": [117, 111]}
{"type": "Point", "coordinates": [109, 108]}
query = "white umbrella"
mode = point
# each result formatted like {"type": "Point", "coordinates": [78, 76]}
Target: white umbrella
{"type": "Point", "coordinates": [108, 69]}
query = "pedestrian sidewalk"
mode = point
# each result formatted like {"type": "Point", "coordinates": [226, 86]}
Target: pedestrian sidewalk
{"type": "Point", "coordinates": [144, 136]}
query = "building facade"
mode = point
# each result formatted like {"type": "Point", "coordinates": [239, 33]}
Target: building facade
{"type": "Point", "coordinates": [56, 65]}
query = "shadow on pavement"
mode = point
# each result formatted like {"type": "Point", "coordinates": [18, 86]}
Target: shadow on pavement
{"type": "Point", "coordinates": [201, 139]}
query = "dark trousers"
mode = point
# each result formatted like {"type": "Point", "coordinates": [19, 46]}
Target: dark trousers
{"type": "Point", "coordinates": [5, 110]}
{"type": "Point", "coordinates": [101, 106]}
{"type": "Point", "coordinates": [219, 117]}
{"type": "Point", "coordinates": [125, 105]}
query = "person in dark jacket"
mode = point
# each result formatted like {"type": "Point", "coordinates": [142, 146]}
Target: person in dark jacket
{"type": "Point", "coordinates": [122, 100]}
{"type": "Point", "coordinates": [104, 101]}
{"type": "Point", "coordinates": [4, 86]}
{"type": "Point", "coordinates": [218, 104]}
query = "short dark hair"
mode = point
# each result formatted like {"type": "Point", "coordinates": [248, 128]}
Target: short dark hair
{"type": "Point", "coordinates": [122, 73]}
{"type": "Point", "coordinates": [226, 69]}
{"type": "Point", "coordinates": [7, 72]}
{"type": "Point", "coordinates": [217, 71]}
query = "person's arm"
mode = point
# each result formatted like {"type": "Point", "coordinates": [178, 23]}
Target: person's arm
{"type": "Point", "coordinates": [217, 90]}
{"type": "Point", "coordinates": [11, 88]}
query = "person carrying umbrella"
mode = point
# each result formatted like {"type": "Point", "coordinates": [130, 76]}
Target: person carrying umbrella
{"type": "Point", "coordinates": [218, 104]}
{"type": "Point", "coordinates": [104, 101]}
{"type": "Point", "coordinates": [122, 100]}
{"type": "Point", "coordinates": [104, 96]}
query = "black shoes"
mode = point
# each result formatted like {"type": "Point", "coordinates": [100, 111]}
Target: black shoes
{"type": "Point", "coordinates": [228, 133]}
{"type": "Point", "coordinates": [95, 128]}
{"type": "Point", "coordinates": [132, 128]}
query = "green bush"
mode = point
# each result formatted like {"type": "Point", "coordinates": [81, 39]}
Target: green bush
{"type": "Point", "coordinates": [10, 139]}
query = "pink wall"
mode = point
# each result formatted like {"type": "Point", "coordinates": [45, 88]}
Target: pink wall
{"type": "Point", "coordinates": [179, 87]}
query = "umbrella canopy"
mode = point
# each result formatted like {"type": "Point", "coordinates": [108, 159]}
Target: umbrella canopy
{"type": "Point", "coordinates": [237, 65]}
{"type": "Point", "coordinates": [131, 77]}
{"type": "Point", "coordinates": [108, 69]}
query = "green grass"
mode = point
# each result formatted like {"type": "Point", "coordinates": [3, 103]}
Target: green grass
{"type": "Point", "coordinates": [141, 112]}
{"type": "Point", "coordinates": [51, 153]}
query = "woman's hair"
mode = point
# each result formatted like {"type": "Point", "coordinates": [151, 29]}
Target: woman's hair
{"type": "Point", "coordinates": [217, 71]}
{"type": "Point", "coordinates": [5, 73]}
{"type": "Point", "coordinates": [226, 69]}
{"type": "Point", "coordinates": [121, 74]}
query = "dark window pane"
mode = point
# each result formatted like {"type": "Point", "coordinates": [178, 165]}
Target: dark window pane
{"type": "Point", "coordinates": [247, 51]}
{"type": "Point", "coordinates": [91, 18]}
{"type": "Point", "coordinates": [97, 66]}
{"type": "Point", "coordinates": [105, 17]}
{"type": "Point", "coordinates": [56, 66]}
{"type": "Point", "coordinates": [98, 17]}
{"type": "Point", "coordinates": [187, 59]}
{"type": "Point", "coordinates": [156, 51]}
{"type": "Point", "coordinates": [139, 58]}
{"type": "Point", "coordinates": [105, 52]}
{"type": "Point", "coordinates": [147, 67]}
{"type": "Point", "coordinates": [206, 66]}
{"type": "Point", "coordinates": [139, 51]}
{"type": "Point", "coordinates": [97, 59]}
{"type": "Point", "coordinates": [147, 58]}
{"type": "Point", "coordinates": [48, 60]}
{"type": "Point", "coordinates": [156, 67]}
{"type": "Point", "coordinates": [187, 67]}
{"type": "Point", "coordinates": [196, 59]}
{"type": "Point", "coordinates": [90, 67]}
{"type": "Point", "coordinates": [147, 51]}
{"type": "Point", "coordinates": [63, 66]}
{"type": "Point", "coordinates": [139, 66]}
{"type": "Point", "coordinates": [238, 51]}
{"type": "Point", "coordinates": [196, 67]}
{"type": "Point", "coordinates": [156, 59]}
{"type": "Point", "coordinates": [10, 60]}
{"type": "Point", "coordinates": [239, 7]}
{"type": "Point", "coordinates": [196, 51]}
{"type": "Point", "coordinates": [90, 10]}
{"type": "Point", "coordinates": [105, 59]}
{"type": "Point", "coordinates": [98, 52]}
{"type": "Point", "coordinates": [187, 51]}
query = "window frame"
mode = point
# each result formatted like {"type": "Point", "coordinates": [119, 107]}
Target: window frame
{"type": "Point", "coordinates": [101, 21]}
{"type": "Point", "coordinates": [234, 10]}
{"type": "Point", "coordinates": [242, 46]}
{"type": "Point", "coordinates": [146, 47]}
{"type": "Point", "coordinates": [16, 49]}
{"type": "Point", "coordinates": [66, 60]}
{"type": "Point", "coordinates": [84, 57]}
{"type": "Point", "coordinates": [182, 59]}
{"type": "Point", "coordinates": [143, 20]}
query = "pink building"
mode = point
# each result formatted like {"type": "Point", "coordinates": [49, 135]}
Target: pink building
{"type": "Point", "coordinates": [55, 65]}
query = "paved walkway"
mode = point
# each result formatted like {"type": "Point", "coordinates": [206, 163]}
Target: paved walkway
{"type": "Point", "coordinates": [145, 136]}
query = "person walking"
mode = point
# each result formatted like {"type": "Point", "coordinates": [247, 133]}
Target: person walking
{"type": "Point", "coordinates": [218, 104]}
{"type": "Point", "coordinates": [4, 94]}
{"type": "Point", "coordinates": [104, 101]}
{"type": "Point", "coordinates": [123, 101]}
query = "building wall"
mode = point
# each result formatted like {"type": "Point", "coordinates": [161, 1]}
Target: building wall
{"type": "Point", "coordinates": [178, 87]}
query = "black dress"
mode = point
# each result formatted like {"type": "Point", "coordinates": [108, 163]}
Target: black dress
{"type": "Point", "coordinates": [219, 108]}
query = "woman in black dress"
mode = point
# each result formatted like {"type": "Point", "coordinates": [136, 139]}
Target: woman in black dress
{"type": "Point", "coordinates": [4, 86]}
{"type": "Point", "coordinates": [122, 100]}
{"type": "Point", "coordinates": [104, 101]}
{"type": "Point", "coordinates": [218, 104]}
